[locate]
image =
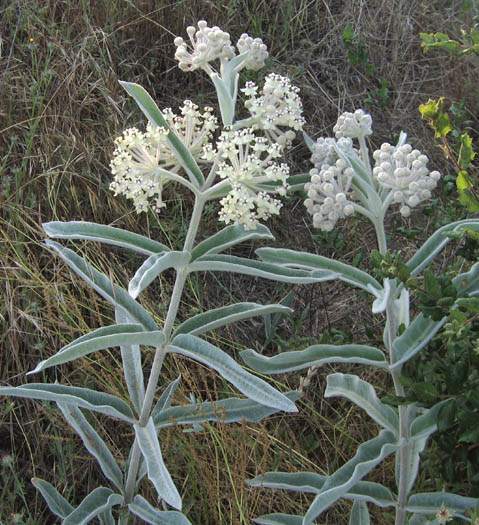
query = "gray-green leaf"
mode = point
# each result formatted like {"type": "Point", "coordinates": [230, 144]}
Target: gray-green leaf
{"type": "Point", "coordinates": [55, 501]}
{"type": "Point", "coordinates": [96, 502]}
{"type": "Point", "coordinates": [141, 508]}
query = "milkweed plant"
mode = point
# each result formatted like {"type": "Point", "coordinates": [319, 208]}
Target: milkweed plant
{"type": "Point", "coordinates": [239, 163]}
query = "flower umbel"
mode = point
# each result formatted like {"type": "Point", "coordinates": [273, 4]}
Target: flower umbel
{"type": "Point", "coordinates": [142, 163]}
{"type": "Point", "coordinates": [247, 162]}
{"type": "Point", "coordinates": [354, 125]}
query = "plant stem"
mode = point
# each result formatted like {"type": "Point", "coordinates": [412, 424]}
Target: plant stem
{"type": "Point", "coordinates": [160, 353]}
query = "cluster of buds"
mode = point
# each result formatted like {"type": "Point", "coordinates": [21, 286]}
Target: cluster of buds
{"type": "Point", "coordinates": [324, 150]}
{"type": "Point", "coordinates": [329, 194]}
{"type": "Point", "coordinates": [143, 162]}
{"type": "Point", "coordinates": [208, 44]}
{"type": "Point", "coordinates": [277, 105]}
{"type": "Point", "coordinates": [404, 171]}
{"type": "Point", "coordinates": [248, 163]}
{"type": "Point", "coordinates": [354, 125]}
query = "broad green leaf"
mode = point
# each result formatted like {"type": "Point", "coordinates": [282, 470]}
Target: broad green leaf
{"type": "Point", "coordinates": [166, 397]}
{"type": "Point", "coordinates": [113, 293]}
{"type": "Point", "coordinates": [368, 455]}
{"type": "Point", "coordinates": [55, 501]}
{"type": "Point", "coordinates": [229, 263]}
{"type": "Point", "coordinates": [141, 508]}
{"type": "Point", "coordinates": [93, 442]}
{"type": "Point", "coordinates": [330, 268]}
{"type": "Point", "coordinates": [436, 242]}
{"type": "Point", "coordinates": [467, 283]}
{"type": "Point", "coordinates": [207, 321]}
{"type": "Point", "coordinates": [415, 338]}
{"type": "Point", "coordinates": [431, 502]}
{"type": "Point", "coordinates": [229, 410]}
{"type": "Point", "coordinates": [132, 366]}
{"type": "Point", "coordinates": [157, 471]}
{"type": "Point", "coordinates": [297, 182]}
{"type": "Point", "coordinates": [127, 337]}
{"type": "Point", "coordinates": [154, 115]}
{"type": "Point", "coordinates": [313, 356]}
{"type": "Point", "coordinates": [248, 384]}
{"type": "Point", "coordinates": [362, 394]}
{"type": "Point", "coordinates": [225, 99]}
{"type": "Point", "coordinates": [313, 483]}
{"type": "Point", "coordinates": [98, 501]}
{"type": "Point", "coordinates": [469, 199]}
{"type": "Point", "coordinates": [463, 181]}
{"type": "Point", "coordinates": [152, 267]}
{"type": "Point", "coordinates": [228, 237]}
{"type": "Point", "coordinates": [280, 519]}
{"type": "Point", "coordinates": [297, 481]}
{"type": "Point", "coordinates": [101, 233]}
{"type": "Point", "coordinates": [359, 514]}
{"type": "Point", "coordinates": [80, 397]}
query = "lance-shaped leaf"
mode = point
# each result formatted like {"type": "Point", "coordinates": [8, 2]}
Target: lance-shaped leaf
{"type": "Point", "coordinates": [313, 356]}
{"type": "Point", "coordinates": [225, 99]}
{"type": "Point", "coordinates": [438, 240]}
{"type": "Point", "coordinates": [152, 267]}
{"type": "Point", "coordinates": [98, 501]}
{"type": "Point", "coordinates": [141, 508]}
{"type": "Point", "coordinates": [93, 442]}
{"type": "Point", "coordinates": [359, 514]}
{"type": "Point", "coordinates": [279, 519]}
{"type": "Point", "coordinates": [228, 237]}
{"type": "Point", "coordinates": [229, 263]}
{"type": "Point", "coordinates": [467, 284]}
{"type": "Point", "coordinates": [426, 424]}
{"type": "Point", "coordinates": [100, 233]}
{"type": "Point", "coordinates": [55, 501]}
{"type": "Point", "coordinates": [297, 182]}
{"type": "Point", "coordinates": [309, 261]}
{"type": "Point", "coordinates": [229, 75]}
{"type": "Point", "coordinates": [165, 399]}
{"type": "Point", "coordinates": [415, 338]}
{"type": "Point", "coordinates": [362, 394]}
{"type": "Point", "coordinates": [229, 410]}
{"type": "Point", "coordinates": [248, 384]}
{"type": "Point", "coordinates": [80, 397]}
{"type": "Point", "coordinates": [314, 483]}
{"type": "Point", "coordinates": [132, 369]}
{"type": "Point", "coordinates": [157, 471]}
{"type": "Point", "coordinates": [368, 455]}
{"type": "Point", "coordinates": [113, 293]}
{"type": "Point", "coordinates": [106, 518]}
{"type": "Point", "coordinates": [154, 115]}
{"type": "Point", "coordinates": [207, 321]}
{"type": "Point", "coordinates": [431, 502]}
{"type": "Point", "coordinates": [130, 336]}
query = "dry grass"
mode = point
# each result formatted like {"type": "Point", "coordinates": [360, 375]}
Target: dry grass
{"type": "Point", "coordinates": [61, 106]}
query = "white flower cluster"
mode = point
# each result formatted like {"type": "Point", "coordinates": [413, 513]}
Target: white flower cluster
{"type": "Point", "coordinates": [324, 150]}
{"type": "Point", "coordinates": [277, 105]}
{"type": "Point", "coordinates": [404, 171]}
{"type": "Point", "coordinates": [329, 194]}
{"type": "Point", "coordinates": [143, 162]}
{"type": "Point", "coordinates": [247, 162]}
{"type": "Point", "coordinates": [257, 51]}
{"type": "Point", "coordinates": [354, 125]}
{"type": "Point", "coordinates": [208, 44]}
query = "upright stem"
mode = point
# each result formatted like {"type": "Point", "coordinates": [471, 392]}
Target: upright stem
{"type": "Point", "coordinates": [160, 353]}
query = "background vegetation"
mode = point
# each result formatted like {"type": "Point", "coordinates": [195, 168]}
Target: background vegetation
{"type": "Point", "coordinates": [61, 107]}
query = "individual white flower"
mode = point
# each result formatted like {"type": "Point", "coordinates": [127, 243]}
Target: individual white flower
{"type": "Point", "coordinates": [444, 515]}
{"type": "Point", "coordinates": [143, 163]}
{"type": "Point", "coordinates": [324, 150]}
{"type": "Point", "coordinates": [257, 51]}
{"type": "Point", "coordinates": [404, 171]}
{"type": "Point", "coordinates": [278, 105]}
{"type": "Point", "coordinates": [354, 125]}
{"type": "Point", "coordinates": [248, 163]}
{"type": "Point", "coordinates": [329, 194]}
{"type": "Point", "coordinates": [206, 45]}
